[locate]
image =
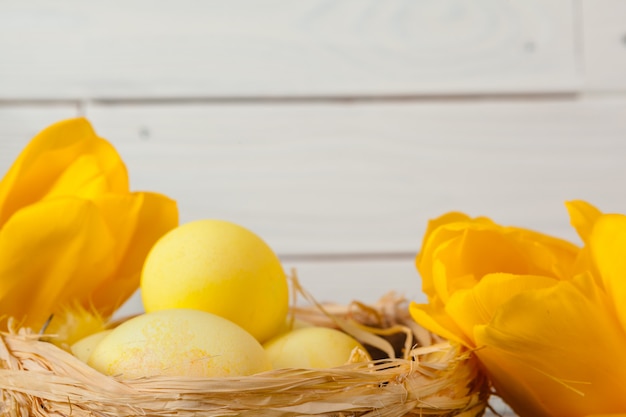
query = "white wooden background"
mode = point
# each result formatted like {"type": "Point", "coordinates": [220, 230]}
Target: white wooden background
{"type": "Point", "coordinates": [336, 128]}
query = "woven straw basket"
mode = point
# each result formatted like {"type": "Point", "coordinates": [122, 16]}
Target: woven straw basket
{"type": "Point", "coordinates": [427, 377]}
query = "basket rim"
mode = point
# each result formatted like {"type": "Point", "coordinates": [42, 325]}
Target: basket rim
{"type": "Point", "coordinates": [443, 378]}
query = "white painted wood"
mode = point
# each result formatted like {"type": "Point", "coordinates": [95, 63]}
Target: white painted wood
{"type": "Point", "coordinates": [365, 178]}
{"type": "Point", "coordinates": [19, 124]}
{"type": "Point", "coordinates": [604, 45]}
{"type": "Point", "coordinates": [197, 48]}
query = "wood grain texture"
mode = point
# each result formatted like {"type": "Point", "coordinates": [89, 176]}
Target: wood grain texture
{"type": "Point", "coordinates": [365, 178]}
{"type": "Point", "coordinates": [604, 45]}
{"type": "Point", "coordinates": [195, 48]}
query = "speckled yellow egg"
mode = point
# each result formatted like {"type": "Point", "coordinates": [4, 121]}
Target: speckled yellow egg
{"type": "Point", "coordinates": [219, 267]}
{"type": "Point", "coordinates": [313, 348]}
{"type": "Point", "coordinates": [179, 342]}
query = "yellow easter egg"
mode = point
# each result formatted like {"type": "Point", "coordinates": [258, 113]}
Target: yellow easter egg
{"type": "Point", "coordinates": [83, 348]}
{"type": "Point", "coordinates": [179, 342]}
{"type": "Point", "coordinates": [312, 348]}
{"type": "Point", "coordinates": [219, 267]}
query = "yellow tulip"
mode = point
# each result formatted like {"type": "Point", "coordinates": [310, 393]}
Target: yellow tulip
{"type": "Point", "coordinates": [458, 251]}
{"type": "Point", "coordinates": [543, 316]}
{"type": "Point", "coordinates": [70, 229]}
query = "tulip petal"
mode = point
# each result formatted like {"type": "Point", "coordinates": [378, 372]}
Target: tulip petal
{"type": "Point", "coordinates": [607, 244]}
{"type": "Point", "coordinates": [435, 235]}
{"type": "Point", "coordinates": [477, 305]}
{"type": "Point", "coordinates": [547, 255]}
{"type": "Point", "coordinates": [139, 219]}
{"type": "Point", "coordinates": [49, 252]}
{"type": "Point", "coordinates": [67, 158]}
{"type": "Point", "coordinates": [433, 320]}
{"type": "Point", "coordinates": [481, 246]}
{"type": "Point", "coordinates": [556, 351]}
{"type": "Point", "coordinates": [478, 250]}
{"type": "Point", "coordinates": [582, 216]}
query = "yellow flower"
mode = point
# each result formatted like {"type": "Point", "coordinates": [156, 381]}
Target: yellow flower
{"type": "Point", "coordinates": [458, 252]}
{"type": "Point", "coordinates": [70, 229]}
{"type": "Point", "coordinates": [544, 317]}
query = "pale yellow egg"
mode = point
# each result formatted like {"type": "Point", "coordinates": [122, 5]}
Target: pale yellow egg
{"type": "Point", "coordinates": [83, 348]}
{"type": "Point", "coordinates": [219, 267]}
{"type": "Point", "coordinates": [179, 342]}
{"type": "Point", "coordinates": [313, 348]}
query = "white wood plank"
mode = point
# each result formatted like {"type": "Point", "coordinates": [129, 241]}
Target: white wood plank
{"type": "Point", "coordinates": [19, 124]}
{"type": "Point", "coordinates": [197, 48]}
{"type": "Point", "coordinates": [361, 178]}
{"type": "Point", "coordinates": [604, 45]}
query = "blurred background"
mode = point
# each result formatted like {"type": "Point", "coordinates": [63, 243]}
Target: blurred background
{"type": "Point", "coordinates": [336, 129]}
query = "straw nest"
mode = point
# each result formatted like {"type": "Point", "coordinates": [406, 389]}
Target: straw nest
{"type": "Point", "coordinates": [412, 373]}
